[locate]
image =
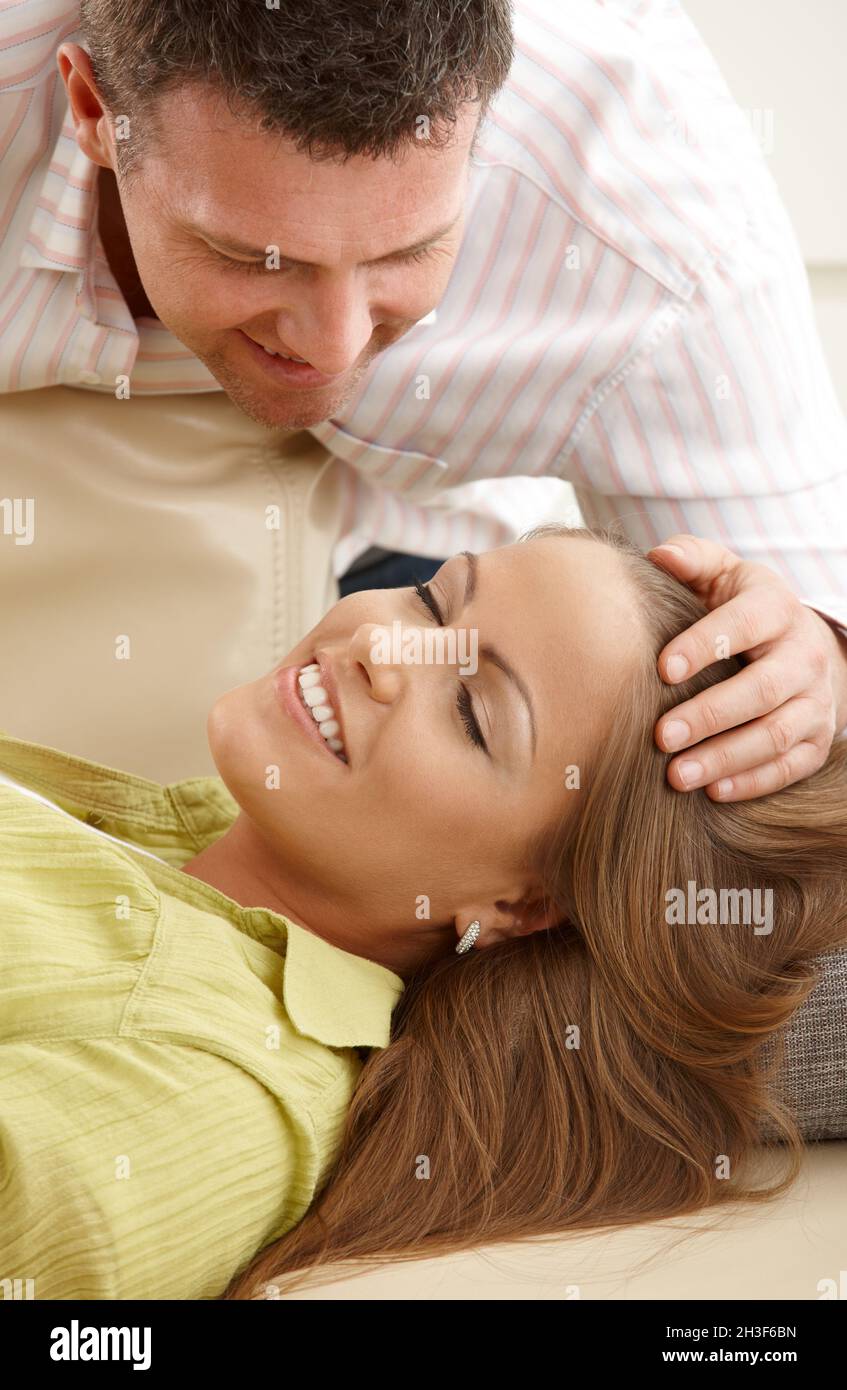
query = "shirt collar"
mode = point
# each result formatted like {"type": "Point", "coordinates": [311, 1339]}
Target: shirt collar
{"type": "Point", "coordinates": [63, 232]}
{"type": "Point", "coordinates": [333, 996]}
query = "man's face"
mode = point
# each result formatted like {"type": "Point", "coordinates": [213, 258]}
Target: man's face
{"type": "Point", "coordinates": [214, 205]}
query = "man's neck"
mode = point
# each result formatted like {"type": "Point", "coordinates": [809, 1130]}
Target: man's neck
{"type": "Point", "coordinates": [118, 249]}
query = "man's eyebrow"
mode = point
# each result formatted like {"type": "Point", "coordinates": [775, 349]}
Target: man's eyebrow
{"type": "Point", "coordinates": [490, 653]}
{"type": "Point", "coordinates": [240, 248]}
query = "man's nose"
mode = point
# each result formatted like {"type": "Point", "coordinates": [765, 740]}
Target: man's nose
{"type": "Point", "coordinates": [331, 327]}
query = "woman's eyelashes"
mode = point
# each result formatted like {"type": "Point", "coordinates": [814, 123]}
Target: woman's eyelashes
{"type": "Point", "coordinates": [463, 699]}
{"type": "Point", "coordinates": [465, 708]}
{"type": "Point", "coordinates": [424, 593]}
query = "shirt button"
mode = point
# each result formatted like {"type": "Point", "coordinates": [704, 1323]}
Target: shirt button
{"type": "Point", "coordinates": [90, 378]}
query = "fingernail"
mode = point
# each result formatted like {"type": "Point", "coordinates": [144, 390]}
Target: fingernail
{"type": "Point", "coordinates": [724, 787]}
{"type": "Point", "coordinates": [676, 667]}
{"type": "Point", "coordinates": [690, 772]}
{"type": "Point", "coordinates": [677, 549]}
{"type": "Point", "coordinates": [675, 733]}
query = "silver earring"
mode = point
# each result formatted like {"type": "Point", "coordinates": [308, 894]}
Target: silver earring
{"type": "Point", "coordinates": [468, 938]}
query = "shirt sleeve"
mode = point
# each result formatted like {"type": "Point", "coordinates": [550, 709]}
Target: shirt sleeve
{"type": "Point", "coordinates": [729, 427]}
{"type": "Point", "coordinates": [135, 1169]}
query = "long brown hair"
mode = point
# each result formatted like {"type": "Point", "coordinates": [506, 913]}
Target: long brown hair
{"type": "Point", "coordinates": [615, 1068]}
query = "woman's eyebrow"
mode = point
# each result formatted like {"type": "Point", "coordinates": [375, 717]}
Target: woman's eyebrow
{"type": "Point", "coordinates": [491, 653]}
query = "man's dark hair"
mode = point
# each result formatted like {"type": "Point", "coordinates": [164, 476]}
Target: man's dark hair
{"type": "Point", "coordinates": [338, 77]}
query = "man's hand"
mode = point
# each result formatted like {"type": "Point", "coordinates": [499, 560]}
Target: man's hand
{"type": "Point", "coordinates": [783, 708]}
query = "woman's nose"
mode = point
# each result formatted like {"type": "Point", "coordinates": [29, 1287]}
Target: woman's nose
{"type": "Point", "coordinates": [378, 649]}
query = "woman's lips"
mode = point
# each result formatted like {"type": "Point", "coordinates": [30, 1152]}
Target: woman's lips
{"type": "Point", "coordinates": [288, 693]}
{"type": "Point", "coordinates": [292, 373]}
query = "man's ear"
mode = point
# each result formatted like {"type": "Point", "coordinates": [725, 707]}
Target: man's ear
{"type": "Point", "coordinates": [92, 124]}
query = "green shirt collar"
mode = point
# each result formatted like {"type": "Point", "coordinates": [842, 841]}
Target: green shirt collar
{"type": "Point", "coordinates": [337, 998]}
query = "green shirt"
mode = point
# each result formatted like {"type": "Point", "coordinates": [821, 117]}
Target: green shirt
{"type": "Point", "coordinates": [175, 1069]}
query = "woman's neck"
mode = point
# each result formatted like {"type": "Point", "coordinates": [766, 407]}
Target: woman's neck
{"type": "Point", "coordinates": [235, 866]}
{"type": "Point", "coordinates": [240, 866]}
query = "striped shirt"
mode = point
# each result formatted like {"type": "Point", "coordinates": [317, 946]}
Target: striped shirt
{"type": "Point", "coordinates": [628, 312]}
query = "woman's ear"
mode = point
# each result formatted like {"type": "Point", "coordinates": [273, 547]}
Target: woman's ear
{"type": "Point", "coordinates": [503, 920]}
{"type": "Point", "coordinates": [531, 915]}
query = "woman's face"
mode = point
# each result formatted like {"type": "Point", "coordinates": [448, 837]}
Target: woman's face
{"type": "Point", "coordinates": [428, 819]}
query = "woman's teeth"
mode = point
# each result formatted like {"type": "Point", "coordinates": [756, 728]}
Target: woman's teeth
{"type": "Point", "coordinates": [317, 703]}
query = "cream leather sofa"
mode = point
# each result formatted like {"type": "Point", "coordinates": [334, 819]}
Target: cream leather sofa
{"type": "Point", "coordinates": [175, 522]}
{"type": "Point", "coordinates": [797, 1249]}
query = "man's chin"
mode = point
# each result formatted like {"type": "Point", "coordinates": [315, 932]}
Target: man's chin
{"type": "Point", "coordinates": [291, 409]}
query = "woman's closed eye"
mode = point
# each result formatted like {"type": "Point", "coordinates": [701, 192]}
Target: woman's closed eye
{"type": "Point", "coordinates": [463, 699]}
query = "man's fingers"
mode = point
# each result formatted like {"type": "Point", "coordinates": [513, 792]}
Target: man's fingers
{"type": "Point", "coordinates": [772, 723]}
{"type": "Point", "coordinates": [702, 563]}
{"type": "Point", "coordinates": [758, 615]}
{"type": "Point", "coordinates": [757, 690]}
{"type": "Point", "coordinates": [763, 741]}
{"type": "Point", "coordinates": [802, 761]}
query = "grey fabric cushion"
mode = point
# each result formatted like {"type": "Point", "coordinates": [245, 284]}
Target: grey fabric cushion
{"type": "Point", "coordinates": [812, 1081]}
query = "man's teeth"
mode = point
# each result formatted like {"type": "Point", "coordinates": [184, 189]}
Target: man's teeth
{"type": "Point", "coordinates": [283, 356]}
{"type": "Point", "coordinates": [317, 703]}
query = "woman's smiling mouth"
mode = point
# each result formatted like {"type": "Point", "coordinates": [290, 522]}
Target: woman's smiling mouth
{"type": "Point", "coordinates": [316, 700]}
{"type": "Point", "coordinates": [305, 697]}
